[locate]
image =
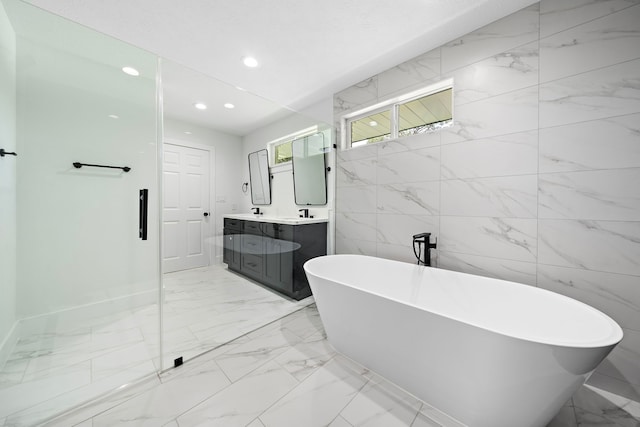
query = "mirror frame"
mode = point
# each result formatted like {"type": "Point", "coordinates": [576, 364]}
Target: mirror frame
{"type": "Point", "coordinates": [324, 170]}
{"type": "Point", "coordinates": [268, 177]}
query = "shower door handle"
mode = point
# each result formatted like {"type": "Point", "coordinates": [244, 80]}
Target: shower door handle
{"type": "Point", "coordinates": [143, 213]}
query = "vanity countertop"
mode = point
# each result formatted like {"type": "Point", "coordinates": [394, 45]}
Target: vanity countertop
{"type": "Point", "coordinates": [276, 219]}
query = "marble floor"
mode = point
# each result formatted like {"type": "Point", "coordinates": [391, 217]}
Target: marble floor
{"type": "Point", "coordinates": [68, 361]}
{"type": "Point", "coordinates": [207, 307]}
{"type": "Point", "coordinates": [286, 374]}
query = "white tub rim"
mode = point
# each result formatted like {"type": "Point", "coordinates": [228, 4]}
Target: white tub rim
{"type": "Point", "coordinates": [615, 335]}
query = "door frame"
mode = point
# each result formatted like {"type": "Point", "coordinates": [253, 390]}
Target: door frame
{"type": "Point", "coordinates": [209, 238]}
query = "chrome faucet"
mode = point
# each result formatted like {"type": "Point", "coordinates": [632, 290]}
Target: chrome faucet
{"type": "Point", "coordinates": [420, 240]}
{"type": "Point", "coordinates": [305, 213]}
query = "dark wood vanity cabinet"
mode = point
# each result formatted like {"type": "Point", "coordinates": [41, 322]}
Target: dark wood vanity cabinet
{"type": "Point", "coordinates": [231, 244]}
{"type": "Point", "coordinates": [273, 253]}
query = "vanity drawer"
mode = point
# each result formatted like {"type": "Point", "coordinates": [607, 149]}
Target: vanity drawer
{"type": "Point", "coordinates": [233, 224]}
{"type": "Point", "coordinates": [252, 244]}
{"type": "Point", "coordinates": [253, 227]}
{"type": "Point", "coordinates": [285, 232]}
{"type": "Point", "coordinates": [252, 264]}
{"type": "Point", "coordinates": [278, 231]}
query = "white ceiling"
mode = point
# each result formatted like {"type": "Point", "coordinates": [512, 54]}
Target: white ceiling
{"type": "Point", "coordinates": [308, 49]}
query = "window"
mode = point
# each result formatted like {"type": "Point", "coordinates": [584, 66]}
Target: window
{"type": "Point", "coordinates": [421, 111]}
{"type": "Point", "coordinates": [283, 153]}
{"type": "Point", "coordinates": [372, 128]}
{"type": "Point", "coordinates": [280, 151]}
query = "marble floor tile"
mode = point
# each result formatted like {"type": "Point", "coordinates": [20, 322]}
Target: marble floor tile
{"type": "Point", "coordinates": [13, 372]}
{"type": "Point", "coordinates": [339, 422]}
{"type": "Point", "coordinates": [204, 308]}
{"type": "Point", "coordinates": [280, 378]}
{"type": "Point", "coordinates": [84, 395]}
{"type": "Point", "coordinates": [21, 396]}
{"type": "Point", "coordinates": [84, 414]}
{"type": "Point", "coordinates": [598, 407]}
{"type": "Point", "coordinates": [159, 405]}
{"type": "Point", "coordinates": [319, 398]}
{"type": "Point", "coordinates": [381, 404]}
{"type": "Point", "coordinates": [306, 357]}
{"type": "Point", "coordinates": [242, 401]}
{"type": "Point", "coordinates": [255, 353]}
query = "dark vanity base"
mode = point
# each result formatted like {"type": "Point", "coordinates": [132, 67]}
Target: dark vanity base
{"type": "Point", "coordinates": [273, 254]}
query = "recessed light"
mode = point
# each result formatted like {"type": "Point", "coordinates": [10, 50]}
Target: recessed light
{"type": "Point", "coordinates": [373, 123]}
{"type": "Point", "coordinates": [131, 71]}
{"type": "Point", "coordinates": [187, 132]}
{"type": "Point", "coordinates": [229, 105]}
{"type": "Point", "coordinates": [250, 61]}
{"type": "Point", "coordinates": [113, 116]}
{"type": "Point", "coordinates": [200, 106]}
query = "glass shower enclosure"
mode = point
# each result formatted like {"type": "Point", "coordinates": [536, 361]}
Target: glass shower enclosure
{"type": "Point", "coordinates": [80, 274]}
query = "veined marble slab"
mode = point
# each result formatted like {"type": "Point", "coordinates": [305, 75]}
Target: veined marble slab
{"type": "Point", "coordinates": [609, 246]}
{"type": "Point", "coordinates": [417, 71]}
{"type": "Point", "coordinates": [556, 16]}
{"type": "Point", "coordinates": [506, 238]}
{"type": "Point", "coordinates": [618, 295]}
{"type": "Point", "coordinates": [602, 93]}
{"type": "Point", "coordinates": [409, 166]}
{"type": "Point", "coordinates": [594, 195]}
{"type": "Point", "coordinates": [501, 73]}
{"type": "Point", "coordinates": [508, 197]}
{"type": "Point", "coordinates": [603, 42]}
{"type": "Point", "coordinates": [499, 115]}
{"type": "Point", "coordinates": [504, 269]}
{"type": "Point", "coordinates": [514, 30]}
{"type": "Point", "coordinates": [512, 154]}
{"type": "Point", "coordinates": [356, 172]}
{"type": "Point", "coordinates": [610, 143]}
{"type": "Point", "coordinates": [412, 198]}
{"type": "Point", "coordinates": [365, 92]}
{"type": "Point", "coordinates": [356, 226]}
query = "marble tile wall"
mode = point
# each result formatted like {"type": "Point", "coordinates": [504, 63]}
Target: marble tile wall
{"type": "Point", "coordinates": [538, 180]}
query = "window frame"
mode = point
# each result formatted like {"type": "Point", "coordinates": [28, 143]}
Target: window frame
{"type": "Point", "coordinates": [392, 105]}
{"type": "Point", "coordinates": [287, 139]}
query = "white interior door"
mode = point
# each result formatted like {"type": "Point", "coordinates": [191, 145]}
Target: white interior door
{"type": "Point", "coordinates": [186, 214]}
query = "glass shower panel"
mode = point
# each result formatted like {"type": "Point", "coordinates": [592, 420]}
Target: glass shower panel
{"type": "Point", "coordinates": [87, 288]}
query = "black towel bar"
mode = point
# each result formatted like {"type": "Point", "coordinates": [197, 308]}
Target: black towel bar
{"type": "Point", "coordinates": [78, 165]}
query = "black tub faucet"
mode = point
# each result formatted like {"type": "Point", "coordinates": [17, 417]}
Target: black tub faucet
{"type": "Point", "coordinates": [423, 239]}
{"type": "Point", "coordinates": [256, 211]}
{"type": "Point", "coordinates": [304, 214]}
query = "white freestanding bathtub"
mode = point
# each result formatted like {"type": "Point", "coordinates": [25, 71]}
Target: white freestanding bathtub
{"type": "Point", "coordinates": [487, 352]}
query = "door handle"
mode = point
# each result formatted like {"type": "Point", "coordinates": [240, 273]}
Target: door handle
{"type": "Point", "coordinates": [206, 214]}
{"type": "Point", "coordinates": [143, 211]}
